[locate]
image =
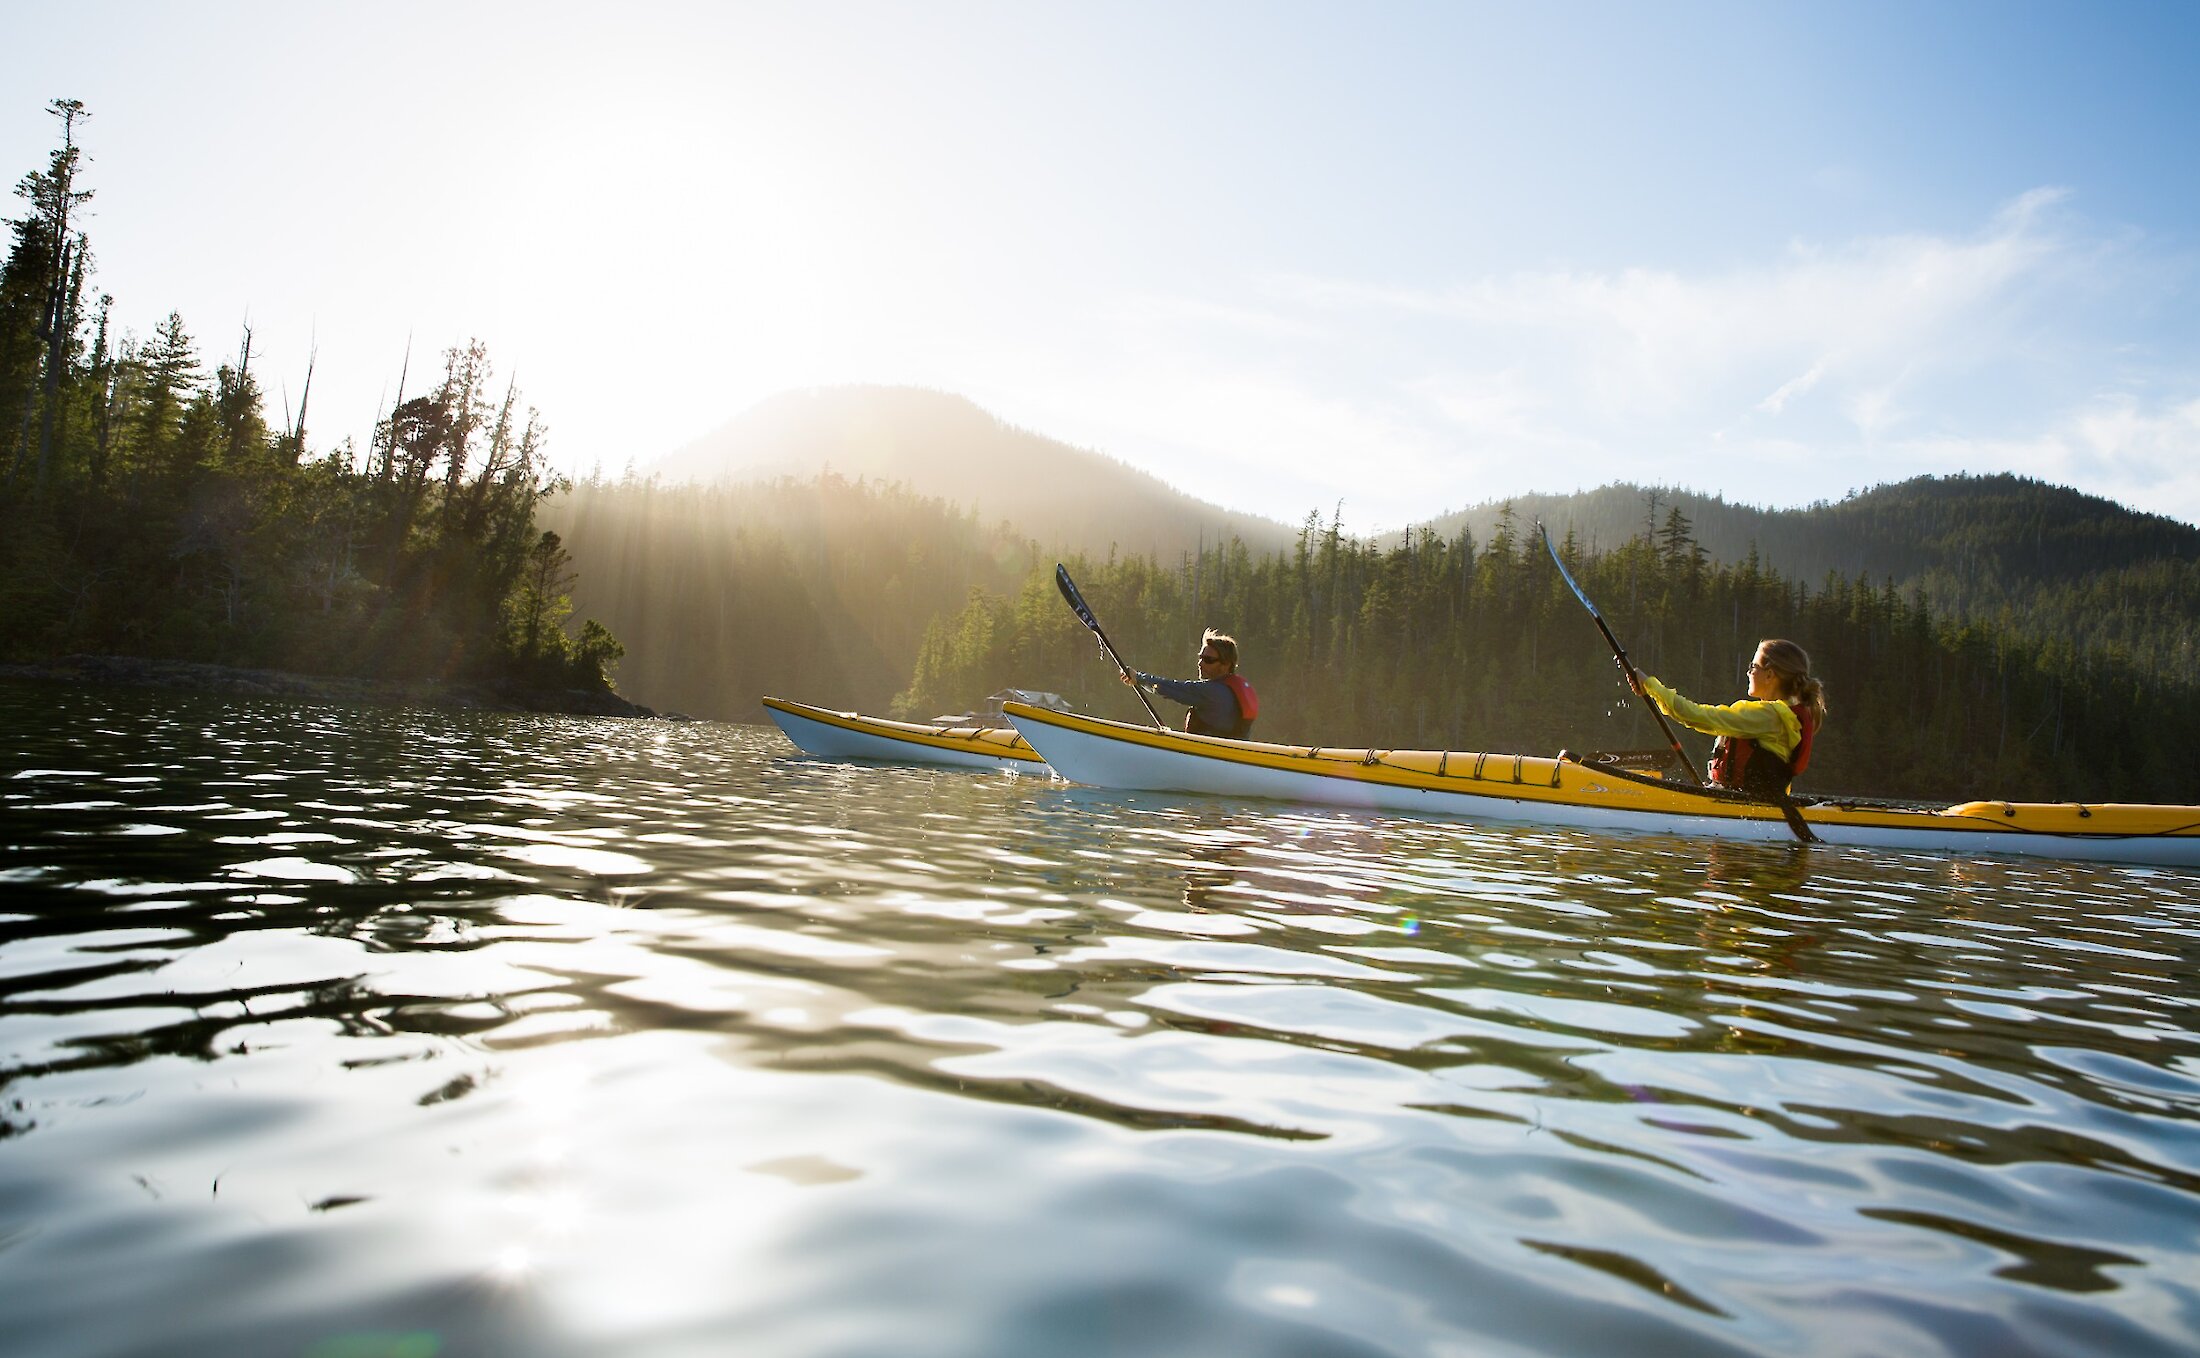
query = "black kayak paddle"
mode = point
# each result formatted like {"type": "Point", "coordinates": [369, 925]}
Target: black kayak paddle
{"type": "Point", "coordinates": [1634, 680]}
{"type": "Point", "coordinates": [1084, 614]}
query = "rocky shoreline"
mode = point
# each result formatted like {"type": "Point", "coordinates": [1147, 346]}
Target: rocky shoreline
{"type": "Point", "coordinates": [176, 674]}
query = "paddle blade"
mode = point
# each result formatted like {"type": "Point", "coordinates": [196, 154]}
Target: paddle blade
{"type": "Point", "coordinates": [1076, 600]}
{"type": "Point", "coordinates": [1567, 575]}
{"type": "Point", "coordinates": [1068, 587]}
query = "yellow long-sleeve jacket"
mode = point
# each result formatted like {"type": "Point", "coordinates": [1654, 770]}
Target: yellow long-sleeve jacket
{"type": "Point", "coordinates": [1768, 721]}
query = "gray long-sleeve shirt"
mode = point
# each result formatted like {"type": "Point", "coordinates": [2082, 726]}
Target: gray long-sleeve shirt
{"type": "Point", "coordinates": [1212, 701]}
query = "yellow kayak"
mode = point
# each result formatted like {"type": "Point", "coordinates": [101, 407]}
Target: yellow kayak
{"type": "Point", "coordinates": [1570, 792]}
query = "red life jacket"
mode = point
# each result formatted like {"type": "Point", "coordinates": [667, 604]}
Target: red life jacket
{"type": "Point", "coordinates": [1248, 708]}
{"type": "Point", "coordinates": [1747, 766]}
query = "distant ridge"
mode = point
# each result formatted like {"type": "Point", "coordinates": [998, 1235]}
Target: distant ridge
{"type": "Point", "coordinates": [944, 445]}
{"type": "Point", "coordinates": [2044, 560]}
{"type": "Point", "coordinates": [2007, 526]}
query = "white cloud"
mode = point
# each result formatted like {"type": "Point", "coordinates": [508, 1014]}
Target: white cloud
{"type": "Point", "coordinates": [1792, 388]}
{"type": "Point", "coordinates": [1825, 367]}
{"type": "Point", "coordinates": [1646, 342]}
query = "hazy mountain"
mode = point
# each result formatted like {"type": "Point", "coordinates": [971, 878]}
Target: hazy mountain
{"type": "Point", "coordinates": [945, 446]}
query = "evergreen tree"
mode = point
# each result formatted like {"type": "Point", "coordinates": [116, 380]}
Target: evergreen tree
{"type": "Point", "coordinates": [542, 602]}
{"type": "Point", "coordinates": [60, 264]}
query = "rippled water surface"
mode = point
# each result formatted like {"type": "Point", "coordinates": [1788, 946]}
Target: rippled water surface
{"type": "Point", "coordinates": [343, 1033]}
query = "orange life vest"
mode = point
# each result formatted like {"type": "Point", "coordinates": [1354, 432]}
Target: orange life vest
{"type": "Point", "coordinates": [1248, 708]}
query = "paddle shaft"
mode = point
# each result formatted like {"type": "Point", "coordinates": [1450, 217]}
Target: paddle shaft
{"type": "Point", "coordinates": [1084, 614]}
{"type": "Point", "coordinates": [1634, 680]}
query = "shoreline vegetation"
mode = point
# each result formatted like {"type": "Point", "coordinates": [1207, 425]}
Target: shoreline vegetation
{"type": "Point", "coordinates": [153, 510]}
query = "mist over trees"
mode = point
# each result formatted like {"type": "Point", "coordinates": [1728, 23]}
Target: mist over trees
{"type": "Point", "coordinates": [821, 587]}
{"type": "Point", "coordinates": [154, 511]}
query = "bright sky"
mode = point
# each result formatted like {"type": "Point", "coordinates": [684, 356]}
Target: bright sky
{"type": "Point", "coordinates": [1406, 256]}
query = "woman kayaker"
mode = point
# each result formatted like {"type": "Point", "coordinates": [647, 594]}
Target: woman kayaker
{"type": "Point", "coordinates": [1221, 702]}
{"type": "Point", "coordinates": [1764, 740]}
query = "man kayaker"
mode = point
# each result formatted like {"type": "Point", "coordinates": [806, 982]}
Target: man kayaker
{"type": "Point", "coordinates": [1764, 740]}
{"type": "Point", "coordinates": [1221, 701]}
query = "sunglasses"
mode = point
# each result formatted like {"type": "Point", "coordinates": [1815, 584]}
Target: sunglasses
{"type": "Point", "coordinates": [1209, 658]}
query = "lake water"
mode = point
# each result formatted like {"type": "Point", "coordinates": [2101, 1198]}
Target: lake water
{"type": "Point", "coordinates": [348, 1033]}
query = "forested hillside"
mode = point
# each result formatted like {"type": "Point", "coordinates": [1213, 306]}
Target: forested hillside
{"type": "Point", "coordinates": [153, 510]}
{"type": "Point", "coordinates": [1437, 642]}
{"type": "Point", "coordinates": [2039, 560]}
{"type": "Point", "coordinates": [943, 445]}
{"type": "Point", "coordinates": [864, 595]}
